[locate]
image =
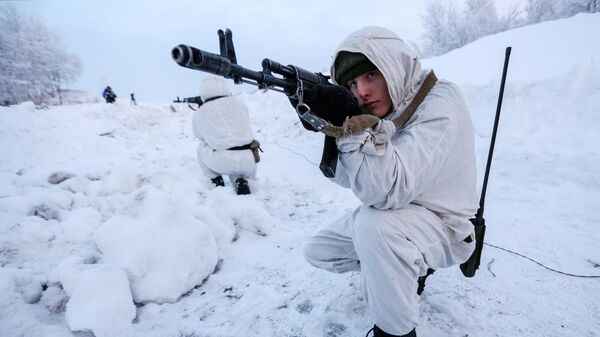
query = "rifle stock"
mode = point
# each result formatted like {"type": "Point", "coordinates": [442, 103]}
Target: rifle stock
{"type": "Point", "coordinates": [290, 78]}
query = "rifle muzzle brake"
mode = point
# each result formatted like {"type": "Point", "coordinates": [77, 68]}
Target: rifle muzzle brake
{"type": "Point", "coordinates": [193, 58]}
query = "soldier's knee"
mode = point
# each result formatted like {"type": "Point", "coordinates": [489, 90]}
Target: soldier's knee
{"type": "Point", "coordinates": [369, 224]}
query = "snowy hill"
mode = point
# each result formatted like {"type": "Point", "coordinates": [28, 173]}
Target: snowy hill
{"type": "Point", "coordinates": [543, 51]}
{"type": "Point", "coordinates": [104, 205]}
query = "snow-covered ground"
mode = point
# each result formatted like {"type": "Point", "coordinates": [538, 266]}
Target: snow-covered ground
{"type": "Point", "coordinates": [107, 224]}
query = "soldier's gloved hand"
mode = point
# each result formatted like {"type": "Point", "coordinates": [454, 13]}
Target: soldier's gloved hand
{"type": "Point", "coordinates": [332, 103]}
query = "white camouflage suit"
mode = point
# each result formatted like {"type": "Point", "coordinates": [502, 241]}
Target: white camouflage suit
{"type": "Point", "coordinates": [417, 185]}
{"type": "Point", "coordinates": [219, 125]}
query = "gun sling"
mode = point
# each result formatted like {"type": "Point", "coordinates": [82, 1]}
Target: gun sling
{"type": "Point", "coordinates": [213, 98]}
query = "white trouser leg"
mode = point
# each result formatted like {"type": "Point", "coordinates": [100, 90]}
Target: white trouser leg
{"type": "Point", "coordinates": [394, 248]}
{"type": "Point", "coordinates": [332, 248]}
{"type": "Point", "coordinates": [207, 171]}
{"type": "Point", "coordinates": [238, 163]}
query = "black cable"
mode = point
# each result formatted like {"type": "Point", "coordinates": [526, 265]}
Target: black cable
{"type": "Point", "coordinates": [538, 263]}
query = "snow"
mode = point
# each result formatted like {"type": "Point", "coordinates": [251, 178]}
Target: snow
{"type": "Point", "coordinates": [101, 301]}
{"type": "Point", "coordinates": [163, 249]}
{"type": "Point", "coordinates": [108, 227]}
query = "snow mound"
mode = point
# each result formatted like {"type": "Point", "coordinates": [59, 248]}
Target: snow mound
{"type": "Point", "coordinates": [164, 250]}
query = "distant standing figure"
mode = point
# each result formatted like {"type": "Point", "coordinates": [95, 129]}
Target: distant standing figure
{"type": "Point", "coordinates": [109, 95]}
{"type": "Point", "coordinates": [226, 141]}
{"type": "Point", "coordinates": [132, 102]}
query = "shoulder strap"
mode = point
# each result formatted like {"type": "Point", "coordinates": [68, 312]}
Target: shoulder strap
{"type": "Point", "coordinates": [214, 98]}
{"type": "Point", "coordinates": [423, 91]}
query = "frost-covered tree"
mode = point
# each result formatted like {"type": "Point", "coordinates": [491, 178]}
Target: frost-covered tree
{"type": "Point", "coordinates": [572, 7]}
{"type": "Point", "coordinates": [513, 17]}
{"type": "Point", "coordinates": [543, 10]}
{"type": "Point", "coordinates": [481, 19]}
{"type": "Point", "coordinates": [33, 62]}
{"type": "Point", "coordinates": [445, 28]}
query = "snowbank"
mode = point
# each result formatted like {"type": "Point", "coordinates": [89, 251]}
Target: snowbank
{"type": "Point", "coordinates": [163, 249]}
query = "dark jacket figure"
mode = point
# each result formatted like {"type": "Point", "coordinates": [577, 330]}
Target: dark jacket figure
{"type": "Point", "coordinates": [109, 95]}
{"type": "Point", "coordinates": [132, 102]}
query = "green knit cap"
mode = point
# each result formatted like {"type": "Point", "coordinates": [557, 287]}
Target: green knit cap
{"type": "Point", "coordinates": [349, 65]}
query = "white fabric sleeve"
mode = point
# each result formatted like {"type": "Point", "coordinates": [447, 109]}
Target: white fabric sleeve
{"type": "Point", "coordinates": [389, 171]}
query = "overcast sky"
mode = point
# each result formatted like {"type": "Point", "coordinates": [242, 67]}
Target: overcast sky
{"type": "Point", "coordinates": [127, 44]}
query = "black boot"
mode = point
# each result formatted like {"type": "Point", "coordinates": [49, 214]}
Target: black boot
{"type": "Point", "coordinates": [421, 281]}
{"type": "Point", "coordinates": [380, 333]}
{"type": "Point", "coordinates": [241, 186]}
{"type": "Point", "coordinates": [218, 181]}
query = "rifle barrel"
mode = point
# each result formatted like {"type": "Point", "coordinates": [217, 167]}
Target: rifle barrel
{"type": "Point", "coordinates": [190, 57]}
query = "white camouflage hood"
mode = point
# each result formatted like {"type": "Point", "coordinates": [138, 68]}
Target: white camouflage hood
{"type": "Point", "coordinates": [399, 65]}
